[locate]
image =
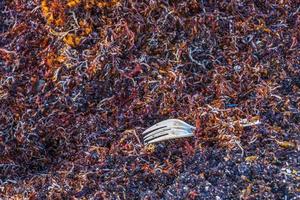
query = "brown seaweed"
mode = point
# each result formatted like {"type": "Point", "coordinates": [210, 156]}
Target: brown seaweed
{"type": "Point", "coordinates": [81, 79]}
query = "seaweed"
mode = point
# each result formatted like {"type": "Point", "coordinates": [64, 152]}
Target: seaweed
{"type": "Point", "coordinates": [81, 79]}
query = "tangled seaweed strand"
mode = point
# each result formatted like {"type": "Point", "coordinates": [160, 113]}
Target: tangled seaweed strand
{"type": "Point", "coordinates": [81, 79]}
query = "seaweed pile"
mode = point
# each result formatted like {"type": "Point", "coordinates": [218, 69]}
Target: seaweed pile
{"type": "Point", "coordinates": [81, 79]}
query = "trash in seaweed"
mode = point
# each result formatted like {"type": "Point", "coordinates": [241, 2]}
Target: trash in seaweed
{"type": "Point", "coordinates": [80, 80]}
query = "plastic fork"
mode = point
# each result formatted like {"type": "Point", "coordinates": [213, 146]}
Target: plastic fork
{"type": "Point", "coordinates": [175, 128]}
{"type": "Point", "coordinates": [166, 130]}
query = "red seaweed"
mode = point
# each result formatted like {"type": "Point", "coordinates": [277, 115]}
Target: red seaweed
{"type": "Point", "coordinates": [81, 79]}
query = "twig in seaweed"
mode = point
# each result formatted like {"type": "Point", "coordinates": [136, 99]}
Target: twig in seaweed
{"type": "Point", "coordinates": [240, 146]}
{"type": "Point", "coordinates": [8, 80]}
{"type": "Point", "coordinates": [75, 19]}
{"type": "Point", "coordinates": [60, 35]}
{"type": "Point", "coordinates": [201, 62]}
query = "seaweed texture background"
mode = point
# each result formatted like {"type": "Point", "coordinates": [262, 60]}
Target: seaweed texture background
{"type": "Point", "coordinates": [81, 79]}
